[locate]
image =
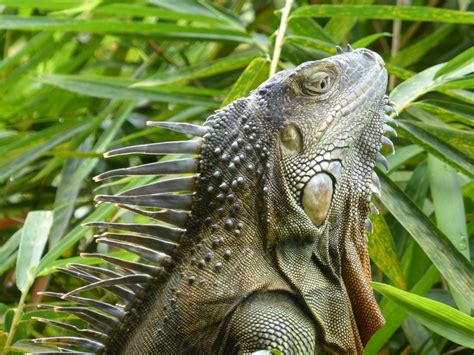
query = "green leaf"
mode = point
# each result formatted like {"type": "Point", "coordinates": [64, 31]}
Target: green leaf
{"type": "Point", "coordinates": [136, 10]}
{"type": "Point", "coordinates": [10, 246]}
{"type": "Point", "coordinates": [314, 43]}
{"type": "Point", "coordinates": [255, 74]}
{"type": "Point", "coordinates": [158, 30]}
{"type": "Point", "coordinates": [218, 66]}
{"type": "Point", "coordinates": [43, 4]}
{"type": "Point", "coordinates": [447, 111]}
{"type": "Point", "coordinates": [368, 40]}
{"type": "Point", "coordinates": [26, 158]}
{"type": "Point", "coordinates": [394, 316]}
{"type": "Point", "coordinates": [449, 211]}
{"type": "Point", "coordinates": [9, 251]}
{"type": "Point", "coordinates": [340, 26]}
{"type": "Point", "coordinates": [462, 140]}
{"type": "Point", "coordinates": [402, 155]}
{"type": "Point", "coordinates": [437, 147]}
{"type": "Point", "coordinates": [423, 82]}
{"type": "Point", "coordinates": [460, 61]}
{"type": "Point", "coordinates": [111, 89]}
{"type": "Point", "coordinates": [452, 265]}
{"type": "Point", "coordinates": [440, 318]}
{"type": "Point", "coordinates": [34, 236]}
{"type": "Point", "coordinates": [382, 251]}
{"type": "Point", "coordinates": [387, 12]}
{"type": "Point", "coordinates": [418, 50]}
{"type": "Point", "coordinates": [100, 213]}
{"type": "Point", "coordinates": [308, 28]}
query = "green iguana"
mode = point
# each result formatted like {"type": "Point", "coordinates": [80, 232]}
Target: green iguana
{"type": "Point", "coordinates": [268, 248]}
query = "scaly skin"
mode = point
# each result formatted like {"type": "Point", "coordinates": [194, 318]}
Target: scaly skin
{"type": "Point", "coordinates": [273, 253]}
{"type": "Point", "coordinates": [253, 270]}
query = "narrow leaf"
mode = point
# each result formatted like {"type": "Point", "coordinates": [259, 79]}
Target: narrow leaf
{"type": "Point", "coordinates": [382, 251]}
{"type": "Point", "coordinates": [449, 211]}
{"type": "Point", "coordinates": [387, 12]}
{"type": "Point", "coordinates": [452, 265]}
{"type": "Point", "coordinates": [158, 30]}
{"type": "Point", "coordinates": [255, 74]}
{"type": "Point", "coordinates": [440, 318]}
{"type": "Point", "coordinates": [110, 89]}
{"type": "Point", "coordinates": [394, 316]}
{"type": "Point", "coordinates": [437, 147]}
{"type": "Point", "coordinates": [34, 235]}
{"type": "Point", "coordinates": [461, 60]}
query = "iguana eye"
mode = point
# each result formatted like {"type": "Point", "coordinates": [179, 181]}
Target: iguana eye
{"type": "Point", "coordinates": [291, 138]}
{"type": "Point", "coordinates": [318, 83]}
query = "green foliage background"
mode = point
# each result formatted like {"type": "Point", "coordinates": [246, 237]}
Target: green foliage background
{"type": "Point", "coordinates": [79, 77]}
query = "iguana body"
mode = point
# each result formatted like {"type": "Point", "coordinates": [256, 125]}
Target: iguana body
{"type": "Point", "coordinates": [273, 253]}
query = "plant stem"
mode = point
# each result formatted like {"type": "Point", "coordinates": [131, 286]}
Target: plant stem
{"type": "Point", "coordinates": [280, 36]}
{"type": "Point", "coordinates": [16, 320]}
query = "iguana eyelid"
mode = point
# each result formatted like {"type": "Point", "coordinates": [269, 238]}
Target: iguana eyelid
{"type": "Point", "coordinates": [319, 83]}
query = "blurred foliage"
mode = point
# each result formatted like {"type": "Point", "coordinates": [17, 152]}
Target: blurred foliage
{"type": "Point", "coordinates": [78, 77]}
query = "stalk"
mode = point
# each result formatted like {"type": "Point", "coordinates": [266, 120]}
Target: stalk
{"type": "Point", "coordinates": [280, 37]}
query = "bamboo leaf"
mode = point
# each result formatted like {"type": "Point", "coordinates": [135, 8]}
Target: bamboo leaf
{"type": "Point", "coordinates": [314, 43]}
{"type": "Point", "coordinates": [218, 66]}
{"type": "Point", "coordinates": [110, 89]}
{"type": "Point", "coordinates": [255, 74]}
{"type": "Point", "coordinates": [382, 251]}
{"type": "Point", "coordinates": [423, 82]}
{"type": "Point", "coordinates": [449, 211]}
{"type": "Point", "coordinates": [394, 316]}
{"type": "Point", "coordinates": [368, 40]}
{"type": "Point", "coordinates": [7, 171]}
{"type": "Point", "coordinates": [413, 53]}
{"type": "Point", "coordinates": [435, 146]}
{"type": "Point", "coordinates": [387, 12]}
{"type": "Point", "coordinates": [462, 140]}
{"type": "Point", "coordinates": [34, 235]}
{"type": "Point", "coordinates": [308, 28]}
{"type": "Point", "coordinates": [158, 30]}
{"type": "Point", "coordinates": [447, 111]}
{"type": "Point", "coordinates": [461, 60]}
{"type": "Point", "coordinates": [402, 155]}
{"type": "Point", "coordinates": [440, 318]}
{"type": "Point", "coordinates": [452, 265]}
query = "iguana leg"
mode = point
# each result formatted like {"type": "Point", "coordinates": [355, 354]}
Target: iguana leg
{"type": "Point", "coordinates": [270, 321]}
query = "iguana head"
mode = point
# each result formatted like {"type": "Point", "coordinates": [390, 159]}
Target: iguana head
{"type": "Point", "coordinates": [328, 121]}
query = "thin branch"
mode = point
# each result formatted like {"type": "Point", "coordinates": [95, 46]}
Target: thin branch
{"type": "Point", "coordinates": [396, 32]}
{"type": "Point", "coordinates": [280, 36]}
{"type": "Point", "coordinates": [16, 320]}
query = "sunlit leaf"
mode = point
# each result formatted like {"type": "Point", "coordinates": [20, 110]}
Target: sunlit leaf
{"type": "Point", "coordinates": [255, 73]}
{"type": "Point", "coordinates": [382, 251]}
{"type": "Point", "coordinates": [437, 147]}
{"type": "Point", "coordinates": [453, 266]}
{"type": "Point", "coordinates": [461, 60]}
{"type": "Point", "coordinates": [34, 236]}
{"type": "Point", "coordinates": [386, 12]}
{"type": "Point", "coordinates": [440, 318]}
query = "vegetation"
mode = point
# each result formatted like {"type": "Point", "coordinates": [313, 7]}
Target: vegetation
{"type": "Point", "coordinates": [78, 77]}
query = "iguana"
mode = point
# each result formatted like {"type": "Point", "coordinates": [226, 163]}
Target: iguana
{"type": "Point", "coordinates": [263, 245]}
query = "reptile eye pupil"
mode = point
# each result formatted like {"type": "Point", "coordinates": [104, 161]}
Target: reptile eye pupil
{"type": "Point", "coordinates": [318, 83]}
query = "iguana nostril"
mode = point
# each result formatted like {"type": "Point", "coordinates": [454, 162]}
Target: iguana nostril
{"type": "Point", "coordinates": [317, 196]}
